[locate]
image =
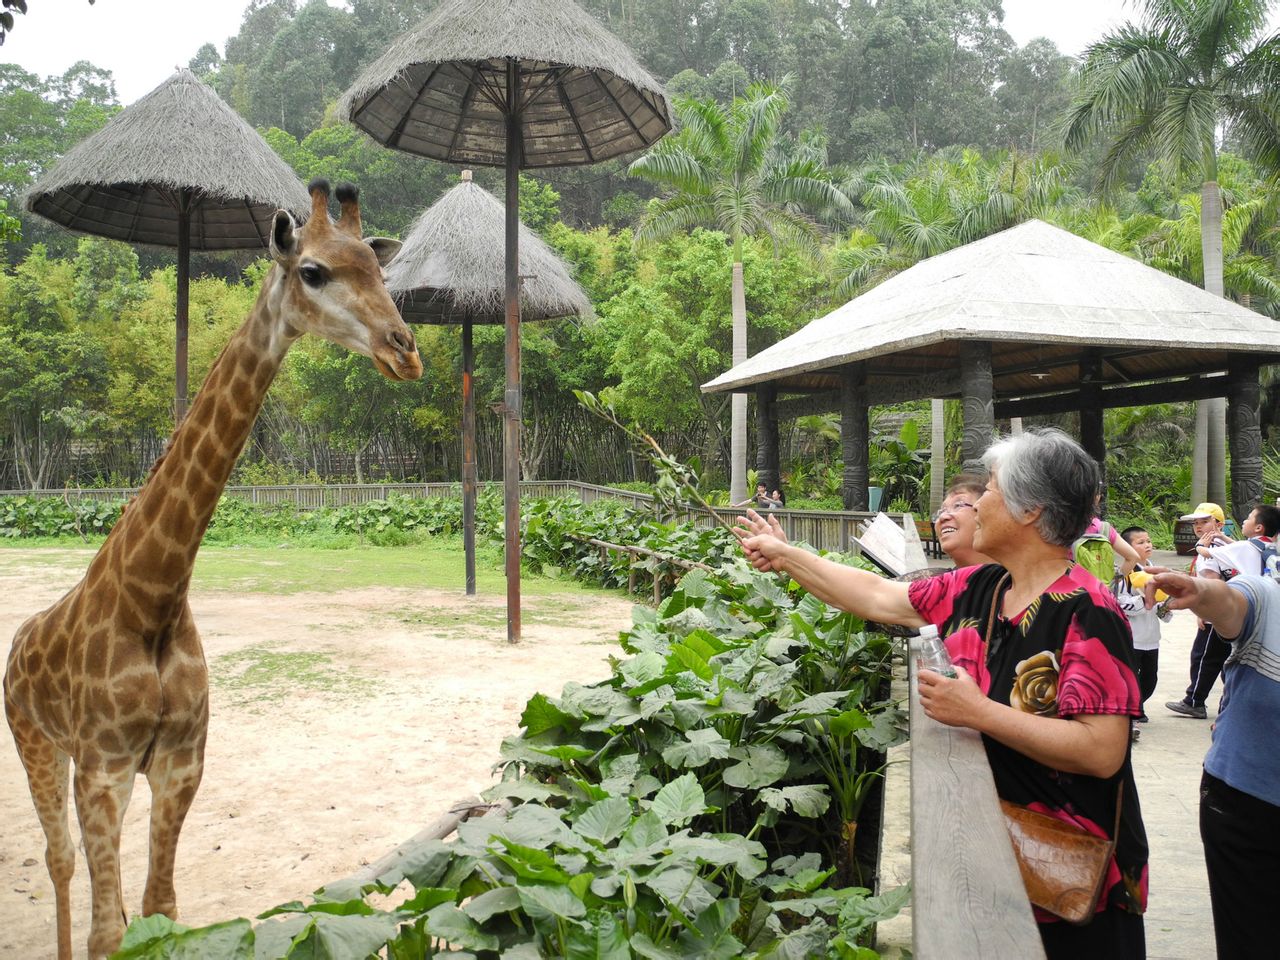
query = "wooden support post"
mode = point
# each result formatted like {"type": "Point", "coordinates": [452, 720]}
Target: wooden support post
{"type": "Point", "coordinates": [468, 456]}
{"type": "Point", "coordinates": [512, 408]}
{"type": "Point", "coordinates": [855, 433]}
{"type": "Point", "coordinates": [180, 398]}
{"type": "Point", "coordinates": [1244, 434]}
{"type": "Point", "coordinates": [1091, 435]}
{"type": "Point", "coordinates": [767, 460]}
{"type": "Point", "coordinates": [978, 392]}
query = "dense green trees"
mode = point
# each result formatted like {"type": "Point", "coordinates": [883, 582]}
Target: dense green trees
{"type": "Point", "coordinates": [1164, 87]}
{"type": "Point", "coordinates": [727, 168]}
{"type": "Point", "coordinates": [936, 127]}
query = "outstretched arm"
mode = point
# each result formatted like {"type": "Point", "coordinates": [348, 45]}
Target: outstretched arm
{"type": "Point", "coordinates": [862, 593]}
{"type": "Point", "coordinates": [1210, 600]}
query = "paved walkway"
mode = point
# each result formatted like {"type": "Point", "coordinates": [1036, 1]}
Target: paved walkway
{"type": "Point", "coordinates": [1167, 765]}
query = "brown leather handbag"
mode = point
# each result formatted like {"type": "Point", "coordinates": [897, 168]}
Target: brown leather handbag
{"type": "Point", "coordinates": [1063, 867]}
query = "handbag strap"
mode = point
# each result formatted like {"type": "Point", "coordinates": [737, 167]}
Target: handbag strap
{"type": "Point", "coordinates": [991, 617]}
{"type": "Point", "coordinates": [986, 643]}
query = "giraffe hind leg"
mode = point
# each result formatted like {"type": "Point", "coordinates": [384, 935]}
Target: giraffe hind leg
{"type": "Point", "coordinates": [102, 796]}
{"type": "Point", "coordinates": [174, 776]}
{"type": "Point", "coordinates": [47, 776]}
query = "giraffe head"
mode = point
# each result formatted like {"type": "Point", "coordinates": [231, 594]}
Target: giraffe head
{"type": "Point", "coordinates": [329, 282]}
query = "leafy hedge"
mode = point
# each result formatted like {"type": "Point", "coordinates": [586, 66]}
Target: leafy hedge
{"type": "Point", "coordinates": [701, 802]}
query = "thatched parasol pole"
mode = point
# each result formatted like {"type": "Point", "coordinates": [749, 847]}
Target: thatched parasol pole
{"type": "Point", "coordinates": [183, 306]}
{"type": "Point", "coordinates": [469, 455]}
{"type": "Point", "coordinates": [512, 407]}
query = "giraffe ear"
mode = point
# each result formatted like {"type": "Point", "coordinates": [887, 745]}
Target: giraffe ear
{"type": "Point", "coordinates": [284, 239]}
{"type": "Point", "coordinates": [384, 248]}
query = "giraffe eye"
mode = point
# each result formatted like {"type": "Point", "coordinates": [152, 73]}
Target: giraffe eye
{"type": "Point", "coordinates": [312, 275]}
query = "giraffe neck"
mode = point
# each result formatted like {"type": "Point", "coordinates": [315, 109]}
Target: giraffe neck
{"type": "Point", "coordinates": [155, 542]}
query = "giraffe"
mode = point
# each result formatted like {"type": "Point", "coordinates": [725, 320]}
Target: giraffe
{"type": "Point", "coordinates": [113, 675]}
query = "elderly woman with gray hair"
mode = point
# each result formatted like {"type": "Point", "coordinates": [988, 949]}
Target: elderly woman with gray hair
{"type": "Point", "coordinates": [1052, 690]}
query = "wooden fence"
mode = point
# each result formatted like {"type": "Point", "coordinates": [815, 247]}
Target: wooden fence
{"type": "Point", "coordinates": [968, 901]}
{"type": "Point", "coordinates": [824, 529]}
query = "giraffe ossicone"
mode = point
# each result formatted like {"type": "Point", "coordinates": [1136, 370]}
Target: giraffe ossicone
{"type": "Point", "coordinates": [112, 677]}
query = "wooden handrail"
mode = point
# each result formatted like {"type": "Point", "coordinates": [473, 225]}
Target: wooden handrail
{"type": "Point", "coordinates": [968, 901]}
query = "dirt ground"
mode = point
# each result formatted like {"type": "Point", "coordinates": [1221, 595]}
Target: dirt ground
{"type": "Point", "coordinates": [341, 724]}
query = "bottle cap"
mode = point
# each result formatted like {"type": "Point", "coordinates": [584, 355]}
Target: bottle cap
{"type": "Point", "coordinates": [927, 631]}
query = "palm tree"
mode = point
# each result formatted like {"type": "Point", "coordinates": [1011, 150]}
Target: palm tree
{"type": "Point", "coordinates": [953, 198]}
{"type": "Point", "coordinates": [729, 169]}
{"type": "Point", "coordinates": [1166, 86]}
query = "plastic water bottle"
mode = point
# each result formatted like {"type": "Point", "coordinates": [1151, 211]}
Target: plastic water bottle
{"type": "Point", "coordinates": [933, 653]}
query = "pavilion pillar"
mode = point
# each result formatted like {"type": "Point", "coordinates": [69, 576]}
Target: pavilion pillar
{"type": "Point", "coordinates": [1244, 434]}
{"type": "Point", "coordinates": [767, 462]}
{"type": "Point", "coordinates": [978, 392]}
{"type": "Point", "coordinates": [855, 432]}
{"type": "Point", "coordinates": [1091, 435]}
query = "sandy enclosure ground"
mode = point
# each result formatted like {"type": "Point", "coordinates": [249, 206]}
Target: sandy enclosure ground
{"type": "Point", "coordinates": [341, 724]}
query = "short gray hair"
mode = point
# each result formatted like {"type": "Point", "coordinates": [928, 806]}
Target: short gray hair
{"type": "Point", "coordinates": [1045, 468]}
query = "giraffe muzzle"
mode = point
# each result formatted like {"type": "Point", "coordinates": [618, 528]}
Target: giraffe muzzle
{"type": "Point", "coordinates": [397, 359]}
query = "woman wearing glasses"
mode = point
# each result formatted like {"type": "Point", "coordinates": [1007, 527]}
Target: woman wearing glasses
{"type": "Point", "coordinates": [956, 521]}
{"type": "Point", "coordinates": [1052, 687]}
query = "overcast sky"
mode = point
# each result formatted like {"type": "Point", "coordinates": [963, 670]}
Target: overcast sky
{"type": "Point", "coordinates": [142, 41]}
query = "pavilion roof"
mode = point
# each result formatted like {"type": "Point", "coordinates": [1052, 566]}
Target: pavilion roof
{"type": "Point", "coordinates": [1039, 295]}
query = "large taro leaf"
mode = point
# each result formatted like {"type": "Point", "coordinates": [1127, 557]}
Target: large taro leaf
{"type": "Point", "coordinates": [683, 890]}
{"type": "Point", "coordinates": [550, 901]}
{"type": "Point", "coordinates": [618, 772]}
{"type": "Point", "coordinates": [759, 765]}
{"type": "Point", "coordinates": [747, 857]}
{"type": "Point", "coordinates": [680, 801]}
{"type": "Point", "coordinates": [642, 668]}
{"type": "Point", "coordinates": [498, 900]}
{"type": "Point", "coordinates": [447, 922]}
{"type": "Point", "coordinates": [698, 748]}
{"type": "Point", "coordinates": [332, 937]}
{"type": "Point", "coordinates": [598, 937]}
{"type": "Point", "coordinates": [886, 730]}
{"type": "Point", "coordinates": [711, 936]}
{"type": "Point", "coordinates": [604, 821]}
{"type": "Point", "coordinates": [529, 863]}
{"type": "Point", "coordinates": [642, 843]}
{"type": "Point", "coordinates": [159, 938]}
{"type": "Point", "coordinates": [807, 800]}
{"type": "Point", "coordinates": [542, 714]}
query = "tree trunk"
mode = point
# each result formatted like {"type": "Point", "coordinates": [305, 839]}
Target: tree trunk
{"type": "Point", "coordinates": [738, 415]}
{"type": "Point", "coordinates": [1214, 416]}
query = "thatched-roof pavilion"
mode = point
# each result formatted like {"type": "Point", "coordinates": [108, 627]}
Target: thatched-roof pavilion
{"type": "Point", "coordinates": [451, 269]}
{"type": "Point", "coordinates": [178, 168]}
{"type": "Point", "coordinates": [1032, 320]}
{"type": "Point", "coordinates": [516, 84]}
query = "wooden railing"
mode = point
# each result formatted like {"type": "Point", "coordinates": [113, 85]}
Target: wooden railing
{"type": "Point", "coordinates": [823, 529]}
{"type": "Point", "coordinates": [968, 901]}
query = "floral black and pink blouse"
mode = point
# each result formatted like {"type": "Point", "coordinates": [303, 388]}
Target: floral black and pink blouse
{"type": "Point", "coordinates": [1069, 653]}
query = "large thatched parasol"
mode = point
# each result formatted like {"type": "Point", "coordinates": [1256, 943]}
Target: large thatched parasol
{"type": "Point", "coordinates": [516, 83]}
{"type": "Point", "coordinates": [179, 168]}
{"type": "Point", "coordinates": [451, 270]}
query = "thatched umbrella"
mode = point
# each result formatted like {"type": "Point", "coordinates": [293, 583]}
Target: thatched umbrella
{"type": "Point", "coordinates": [179, 168]}
{"type": "Point", "coordinates": [451, 270]}
{"type": "Point", "coordinates": [519, 84]}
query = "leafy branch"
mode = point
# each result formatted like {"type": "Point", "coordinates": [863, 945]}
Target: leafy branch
{"type": "Point", "coordinates": [673, 476]}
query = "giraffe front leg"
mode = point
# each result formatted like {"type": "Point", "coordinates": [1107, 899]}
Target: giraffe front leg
{"type": "Point", "coordinates": [102, 796]}
{"type": "Point", "coordinates": [174, 777]}
{"type": "Point", "coordinates": [47, 776]}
